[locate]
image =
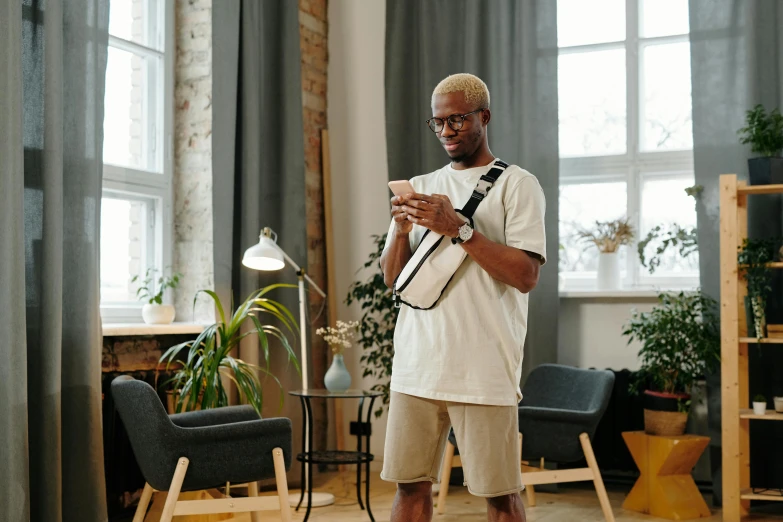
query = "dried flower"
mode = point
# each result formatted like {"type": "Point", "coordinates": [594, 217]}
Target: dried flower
{"type": "Point", "coordinates": [608, 236]}
{"type": "Point", "coordinates": [340, 337]}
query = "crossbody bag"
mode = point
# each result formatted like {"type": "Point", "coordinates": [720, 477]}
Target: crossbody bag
{"type": "Point", "coordinates": [431, 268]}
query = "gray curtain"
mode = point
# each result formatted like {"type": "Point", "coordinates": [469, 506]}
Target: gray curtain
{"type": "Point", "coordinates": [258, 164]}
{"type": "Point", "coordinates": [512, 46]}
{"type": "Point", "coordinates": [736, 62]}
{"type": "Point", "coordinates": [52, 72]}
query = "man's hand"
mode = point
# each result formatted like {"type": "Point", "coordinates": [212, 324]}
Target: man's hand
{"type": "Point", "coordinates": [434, 212]}
{"type": "Point", "coordinates": [401, 223]}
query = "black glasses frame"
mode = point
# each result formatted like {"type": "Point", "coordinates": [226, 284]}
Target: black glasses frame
{"type": "Point", "coordinates": [455, 125]}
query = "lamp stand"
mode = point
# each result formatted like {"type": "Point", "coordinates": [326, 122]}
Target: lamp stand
{"type": "Point", "coordinates": [319, 499]}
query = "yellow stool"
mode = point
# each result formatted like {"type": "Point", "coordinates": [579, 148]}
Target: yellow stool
{"type": "Point", "coordinates": [666, 488]}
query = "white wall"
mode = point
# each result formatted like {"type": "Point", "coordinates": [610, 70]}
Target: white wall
{"type": "Point", "coordinates": [357, 135]}
{"type": "Point", "coordinates": [590, 332]}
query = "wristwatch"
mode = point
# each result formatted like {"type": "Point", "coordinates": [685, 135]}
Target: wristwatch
{"type": "Point", "coordinates": [465, 233]}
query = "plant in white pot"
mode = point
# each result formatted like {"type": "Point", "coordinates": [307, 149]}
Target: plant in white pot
{"type": "Point", "coordinates": [680, 340]}
{"type": "Point", "coordinates": [337, 378]}
{"type": "Point", "coordinates": [152, 290]}
{"type": "Point", "coordinates": [759, 405]}
{"type": "Point", "coordinates": [608, 237]}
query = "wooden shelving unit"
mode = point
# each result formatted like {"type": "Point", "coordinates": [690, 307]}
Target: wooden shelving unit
{"type": "Point", "coordinates": [735, 399]}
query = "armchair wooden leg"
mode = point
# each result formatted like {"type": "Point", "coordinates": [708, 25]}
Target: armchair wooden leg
{"type": "Point", "coordinates": [530, 491]}
{"type": "Point", "coordinates": [144, 503]}
{"type": "Point", "coordinates": [445, 476]}
{"type": "Point", "coordinates": [603, 498]}
{"type": "Point", "coordinates": [252, 491]}
{"type": "Point", "coordinates": [282, 484]}
{"type": "Point", "coordinates": [174, 489]}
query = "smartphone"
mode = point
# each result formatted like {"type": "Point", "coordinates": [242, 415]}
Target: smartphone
{"type": "Point", "coordinates": [401, 187]}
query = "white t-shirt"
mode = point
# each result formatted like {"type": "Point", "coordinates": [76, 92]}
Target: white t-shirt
{"type": "Point", "coordinates": [468, 348]}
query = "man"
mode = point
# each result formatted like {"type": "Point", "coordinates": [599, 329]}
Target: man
{"type": "Point", "coordinates": [459, 364]}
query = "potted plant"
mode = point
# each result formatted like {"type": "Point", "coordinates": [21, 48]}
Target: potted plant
{"type": "Point", "coordinates": [376, 327]}
{"type": "Point", "coordinates": [337, 378]}
{"type": "Point", "coordinates": [759, 405]}
{"type": "Point", "coordinates": [680, 340]}
{"type": "Point", "coordinates": [608, 237]}
{"type": "Point", "coordinates": [151, 290]}
{"type": "Point", "coordinates": [764, 132]}
{"type": "Point", "coordinates": [753, 258]}
{"type": "Point", "coordinates": [197, 381]}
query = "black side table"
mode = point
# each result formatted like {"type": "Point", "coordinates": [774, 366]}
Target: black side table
{"type": "Point", "coordinates": [361, 456]}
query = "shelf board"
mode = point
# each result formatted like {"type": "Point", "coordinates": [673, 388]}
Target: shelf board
{"type": "Point", "coordinates": [769, 415]}
{"type": "Point", "coordinates": [747, 494]}
{"type": "Point", "coordinates": [764, 340]}
{"type": "Point", "coordinates": [760, 189]}
{"type": "Point", "coordinates": [775, 264]}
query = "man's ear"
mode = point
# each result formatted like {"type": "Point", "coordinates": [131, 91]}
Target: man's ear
{"type": "Point", "coordinates": [486, 116]}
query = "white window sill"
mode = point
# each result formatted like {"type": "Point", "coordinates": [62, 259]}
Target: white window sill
{"type": "Point", "coordinates": [130, 329]}
{"type": "Point", "coordinates": [610, 294]}
{"type": "Point", "coordinates": [630, 293]}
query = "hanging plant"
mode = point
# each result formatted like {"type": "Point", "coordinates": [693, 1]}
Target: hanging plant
{"type": "Point", "coordinates": [753, 258]}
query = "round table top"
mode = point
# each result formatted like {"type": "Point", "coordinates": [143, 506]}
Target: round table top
{"type": "Point", "coordinates": [347, 394]}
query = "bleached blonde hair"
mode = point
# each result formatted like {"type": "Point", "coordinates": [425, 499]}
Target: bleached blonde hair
{"type": "Point", "coordinates": [475, 90]}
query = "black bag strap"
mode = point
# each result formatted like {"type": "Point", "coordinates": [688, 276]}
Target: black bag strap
{"type": "Point", "coordinates": [483, 186]}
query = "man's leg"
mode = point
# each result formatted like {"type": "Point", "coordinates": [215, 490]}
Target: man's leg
{"type": "Point", "coordinates": [488, 442]}
{"type": "Point", "coordinates": [413, 503]}
{"type": "Point", "coordinates": [506, 508]}
{"type": "Point", "coordinates": [416, 433]}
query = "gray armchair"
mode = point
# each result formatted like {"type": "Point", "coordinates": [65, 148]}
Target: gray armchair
{"type": "Point", "coordinates": [558, 415]}
{"type": "Point", "coordinates": [202, 450]}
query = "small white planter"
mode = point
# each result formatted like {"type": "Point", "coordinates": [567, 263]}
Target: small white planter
{"type": "Point", "coordinates": [158, 314]}
{"type": "Point", "coordinates": [608, 271]}
{"type": "Point", "coordinates": [759, 408]}
{"type": "Point", "coordinates": [778, 401]}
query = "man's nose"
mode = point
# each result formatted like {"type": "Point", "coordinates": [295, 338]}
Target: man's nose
{"type": "Point", "coordinates": [447, 131]}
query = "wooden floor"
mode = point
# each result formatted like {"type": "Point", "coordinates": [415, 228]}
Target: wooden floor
{"type": "Point", "coordinates": [574, 503]}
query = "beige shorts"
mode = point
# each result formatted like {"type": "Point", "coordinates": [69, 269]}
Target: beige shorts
{"type": "Point", "coordinates": [487, 438]}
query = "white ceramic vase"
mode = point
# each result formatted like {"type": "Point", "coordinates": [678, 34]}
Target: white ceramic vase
{"type": "Point", "coordinates": [157, 314]}
{"type": "Point", "coordinates": [759, 408]}
{"type": "Point", "coordinates": [608, 271]}
{"type": "Point", "coordinates": [778, 403]}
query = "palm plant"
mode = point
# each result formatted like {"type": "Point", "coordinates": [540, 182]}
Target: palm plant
{"type": "Point", "coordinates": [198, 382]}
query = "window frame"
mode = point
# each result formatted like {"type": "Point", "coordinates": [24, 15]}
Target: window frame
{"type": "Point", "coordinates": [142, 184]}
{"type": "Point", "coordinates": [635, 165]}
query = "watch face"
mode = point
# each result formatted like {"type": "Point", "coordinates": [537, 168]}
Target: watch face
{"type": "Point", "coordinates": [465, 232]}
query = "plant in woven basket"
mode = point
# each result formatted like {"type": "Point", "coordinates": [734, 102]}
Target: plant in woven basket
{"type": "Point", "coordinates": [198, 377]}
{"type": "Point", "coordinates": [680, 340]}
{"type": "Point", "coordinates": [753, 258]}
{"type": "Point", "coordinates": [376, 327]}
{"type": "Point", "coordinates": [608, 236]}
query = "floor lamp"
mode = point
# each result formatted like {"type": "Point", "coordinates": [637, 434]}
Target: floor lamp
{"type": "Point", "coordinates": [266, 255]}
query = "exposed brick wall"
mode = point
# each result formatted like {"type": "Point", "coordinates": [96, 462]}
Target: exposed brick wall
{"type": "Point", "coordinates": [313, 32]}
{"type": "Point", "coordinates": [193, 158]}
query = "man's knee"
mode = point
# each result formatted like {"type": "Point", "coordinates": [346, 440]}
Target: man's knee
{"type": "Point", "coordinates": [416, 489]}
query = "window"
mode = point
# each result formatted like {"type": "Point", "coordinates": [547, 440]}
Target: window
{"type": "Point", "coordinates": [137, 153]}
{"type": "Point", "coordinates": [624, 95]}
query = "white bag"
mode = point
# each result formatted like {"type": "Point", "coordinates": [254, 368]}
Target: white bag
{"type": "Point", "coordinates": [431, 268]}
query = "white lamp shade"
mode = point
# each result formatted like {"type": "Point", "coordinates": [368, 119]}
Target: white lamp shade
{"type": "Point", "coordinates": [264, 256]}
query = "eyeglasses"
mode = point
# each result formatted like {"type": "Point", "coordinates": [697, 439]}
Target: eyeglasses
{"type": "Point", "coordinates": [455, 121]}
